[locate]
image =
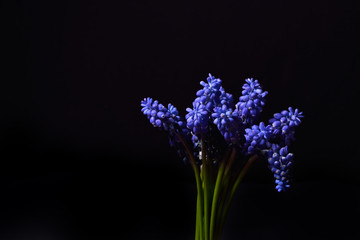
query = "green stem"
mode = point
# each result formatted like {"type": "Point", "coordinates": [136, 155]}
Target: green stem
{"type": "Point", "coordinates": [199, 225]}
{"type": "Point", "coordinates": [198, 218]}
{"type": "Point", "coordinates": [231, 160]}
{"type": "Point", "coordinates": [223, 193]}
{"type": "Point", "coordinates": [215, 199]}
{"type": "Point", "coordinates": [207, 189]}
{"type": "Point", "coordinates": [242, 174]}
{"type": "Point", "coordinates": [234, 188]}
{"type": "Point", "coordinates": [199, 212]}
{"type": "Point", "coordinates": [222, 200]}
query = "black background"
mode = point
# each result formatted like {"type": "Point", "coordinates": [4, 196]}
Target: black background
{"type": "Point", "coordinates": [80, 161]}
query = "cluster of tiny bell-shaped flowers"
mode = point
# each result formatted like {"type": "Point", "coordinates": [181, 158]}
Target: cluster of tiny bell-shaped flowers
{"type": "Point", "coordinates": [213, 106]}
{"type": "Point", "coordinates": [211, 97]}
{"type": "Point", "coordinates": [281, 129]}
{"type": "Point", "coordinates": [251, 102]}
{"type": "Point", "coordinates": [257, 137]}
{"type": "Point", "coordinates": [280, 163]}
{"type": "Point", "coordinates": [283, 124]}
{"type": "Point", "coordinates": [166, 119]}
{"type": "Point", "coordinates": [160, 116]}
{"type": "Point", "coordinates": [227, 121]}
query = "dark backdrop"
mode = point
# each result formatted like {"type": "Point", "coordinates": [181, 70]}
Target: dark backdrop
{"type": "Point", "coordinates": [80, 161]}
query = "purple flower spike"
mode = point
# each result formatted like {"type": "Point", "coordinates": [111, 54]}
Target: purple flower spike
{"type": "Point", "coordinates": [209, 96]}
{"type": "Point", "coordinates": [251, 102]}
{"type": "Point", "coordinates": [228, 123]}
{"type": "Point", "coordinates": [283, 124]}
{"type": "Point", "coordinates": [280, 163]}
{"type": "Point", "coordinates": [160, 116]}
{"type": "Point", "coordinates": [197, 118]}
{"type": "Point", "coordinates": [257, 138]}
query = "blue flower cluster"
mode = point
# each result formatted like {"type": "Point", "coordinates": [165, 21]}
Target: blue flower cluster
{"type": "Point", "coordinates": [251, 102]}
{"type": "Point", "coordinates": [280, 163]}
{"type": "Point", "coordinates": [281, 129]}
{"type": "Point", "coordinates": [284, 123]}
{"type": "Point", "coordinates": [197, 118]}
{"type": "Point", "coordinates": [212, 102]}
{"type": "Point", "coordinates": [228, 123]}
{"type": "Point", "coordinates": [214, 108]}
{"type": "Point", "coordinates": [209, 96]}
{"type": "Point", "coordinates": [166, 119]}
{"type": "Point", "coordinates": [160, 116]}
{"type": "Point", "coordinates": [213, 94]}
{"type": "Point", "coordinates": [257, 138]}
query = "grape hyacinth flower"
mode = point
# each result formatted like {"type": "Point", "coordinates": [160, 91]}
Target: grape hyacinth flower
{"type": "Point", "coordinates": [284, 123]}
{"type": "Point", "coordinates": [280, 163]}
{"type": "Point", "coordinates": [257, 137]}
{"type": "Point", "coordinates": [221, 140]}
{"type": "Point", "coordinates": [159, 115]}
{"type": "Point", "coordinates": [197, 118]}
{"type": "Point", "coordinates": [209, 96]}
{"type": "Point", "coordinates": [228, 123]}
{"type": "Point", "coordinates": [166, 119]}
{"type": "Point", "coordinates": [251, 102]}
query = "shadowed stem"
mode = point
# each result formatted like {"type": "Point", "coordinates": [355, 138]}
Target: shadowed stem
{"type": "Point", "coordinates": [219, 188]}
{"type": "Point", "coordinates": [215, 199]}
{"type": "Point", "coordinates": [231, 160]}
{"type": "Point", "coordinates": [207, 188]}
{"type": "Point", "coordinates": [218, 195]}
{"type": "Point", "coordinates": [198, 233]}
{"type": "Point", "coordinates": [200, 199]}
{"type": "Point", "coordinates": [234, 188]}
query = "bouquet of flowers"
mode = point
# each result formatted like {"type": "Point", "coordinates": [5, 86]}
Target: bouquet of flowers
{"type": "Point", "coordinates": [221, 140]}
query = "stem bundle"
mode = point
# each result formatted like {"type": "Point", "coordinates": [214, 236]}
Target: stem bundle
{"type": "Point", "coordinates": [216, 187]}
